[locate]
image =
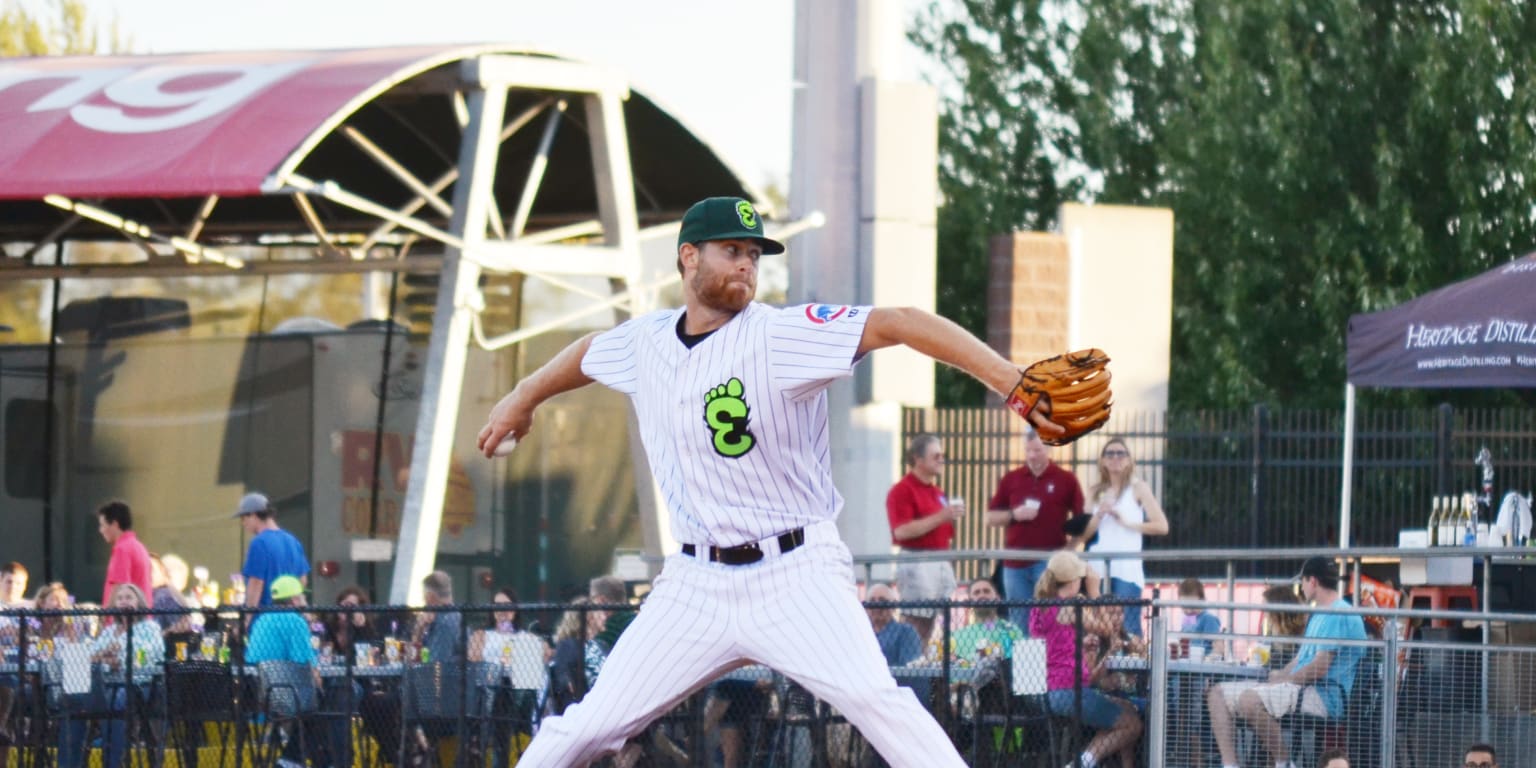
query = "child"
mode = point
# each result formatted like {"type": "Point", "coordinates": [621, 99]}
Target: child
{"type": "Point", "coordinates": [1204, 622]}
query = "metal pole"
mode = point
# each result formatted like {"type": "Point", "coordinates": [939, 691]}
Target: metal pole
{"type": "Point", "coordinates": [1487, 632]}
{"type": "Point", "coordinates": [1389, 696]}
{"type": "Point", "coordinates": [1157, 705]}
{"type": "Point", "coordinates": [1231, 592]}
{"type": "Point", "coordinates": [1346, 486]}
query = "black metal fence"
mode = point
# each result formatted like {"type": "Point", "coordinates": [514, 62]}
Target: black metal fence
{"type": "Point", "coordinates": [1260, 477]}
{"type": "Point", "coordinates": [465, 686]}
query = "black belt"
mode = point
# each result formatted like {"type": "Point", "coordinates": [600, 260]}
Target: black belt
{"type": "Point", "coordinates": [744, 554]}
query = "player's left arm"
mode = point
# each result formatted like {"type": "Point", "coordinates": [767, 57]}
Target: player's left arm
{"type": "Point", "coordinates": [513, 415]}
{"type": "Point", "coordinates": [943, 340]}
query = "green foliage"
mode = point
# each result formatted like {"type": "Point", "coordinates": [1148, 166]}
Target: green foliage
{"type": "Point", "coordinates": [997, 167]}
{"type": "Point", "coordinates": [68, 29]}
{"type": "Point", "coordinates": [1321, 157]}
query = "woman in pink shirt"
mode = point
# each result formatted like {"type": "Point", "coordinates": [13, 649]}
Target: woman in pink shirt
{"type": "Point", "coordinates": [1118, 725]}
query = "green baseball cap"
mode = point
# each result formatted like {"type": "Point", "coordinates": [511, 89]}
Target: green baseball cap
{"type": "Point", "coordinates": [725, 218]}
{"type": "Point", "coordinates": [284, 587]}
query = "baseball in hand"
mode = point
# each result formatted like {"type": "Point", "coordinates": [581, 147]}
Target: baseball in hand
{"type": "Point", "coordinates": [504, 448]}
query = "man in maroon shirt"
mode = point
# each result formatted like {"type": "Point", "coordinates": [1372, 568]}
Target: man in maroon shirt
{"type": "Point", "coordinates": [922, 520]}
{"type": "Point", "coordinates": [1032, 503]}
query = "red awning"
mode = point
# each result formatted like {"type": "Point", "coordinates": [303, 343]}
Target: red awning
{"type": "Point", "coordinates": [183, 125]}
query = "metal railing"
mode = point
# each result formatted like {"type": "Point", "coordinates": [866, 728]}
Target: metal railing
{"type": "Point", "coordinates": [1413, 700]}
{"type": "Point", "coordinates": [1256, 476]}
{"type": "Point", "coordinates": [202, 695]}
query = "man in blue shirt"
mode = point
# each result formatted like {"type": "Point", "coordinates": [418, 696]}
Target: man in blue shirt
{"type": "Point", "coordinates": [898, 640]}
{"type": "Point", "coordinates": [285, 636]}
{"type": "Point", "coordinates": [273, 552]}
{"type": "Point", "coordinates": [1316, 682]}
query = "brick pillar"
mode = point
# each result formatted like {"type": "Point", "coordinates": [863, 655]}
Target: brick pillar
{"type": "Point", "coordinates": [1028, 295]}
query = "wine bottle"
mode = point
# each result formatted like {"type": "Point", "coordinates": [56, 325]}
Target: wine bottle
{"type": "Point", "coordinates": [1433, 528]}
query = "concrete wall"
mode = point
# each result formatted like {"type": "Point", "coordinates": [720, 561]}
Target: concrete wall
{"type": "Point", "coordinates": [866, 156]}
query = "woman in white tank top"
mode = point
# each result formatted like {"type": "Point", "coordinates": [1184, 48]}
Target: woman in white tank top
{"type": "Point", "coordinates": [1124, 511]}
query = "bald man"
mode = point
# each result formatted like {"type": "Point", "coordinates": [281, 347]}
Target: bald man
{"type": "Point", "coordinates": [898, 640]}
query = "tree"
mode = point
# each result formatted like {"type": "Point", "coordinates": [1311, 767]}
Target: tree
{"type": "Point", "coordinates": [1322, 157]}
{"type": "Point", "coordinates": [997, 167]}
{"type": "Point", "coordinates": [69, 31]}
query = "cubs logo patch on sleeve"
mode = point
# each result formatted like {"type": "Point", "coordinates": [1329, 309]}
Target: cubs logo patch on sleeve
{"type": "Point", "coordinates": [821, 314]}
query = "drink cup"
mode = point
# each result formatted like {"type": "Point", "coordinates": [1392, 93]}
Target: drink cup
{"type": "Point", "coordinates": [1196, 653]}
{"type": "Point", "coordinates": [1183, 647]}
{"type": "Point", "coordinates": [181, 651]}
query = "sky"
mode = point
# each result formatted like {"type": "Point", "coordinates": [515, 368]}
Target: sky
{"type": "Point", "coordinates": [689, 56]}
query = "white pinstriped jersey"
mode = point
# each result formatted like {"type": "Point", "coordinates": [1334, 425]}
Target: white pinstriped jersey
{"type": "Point", "coordinates": [736, 427]}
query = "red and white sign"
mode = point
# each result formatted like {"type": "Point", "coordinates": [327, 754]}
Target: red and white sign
{"type": "Point", "coordinates": [179, 126]}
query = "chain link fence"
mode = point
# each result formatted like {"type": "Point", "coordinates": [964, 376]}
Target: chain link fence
{"type": "Point", "coordinates": [468, 686]}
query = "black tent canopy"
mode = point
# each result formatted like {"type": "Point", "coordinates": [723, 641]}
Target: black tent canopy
{"type": "Point", "coordinates": [1478, 333]}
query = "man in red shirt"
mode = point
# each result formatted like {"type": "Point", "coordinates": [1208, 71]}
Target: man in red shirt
{"type": "Point", "coordinates": [1032, 503]}
{"type": "Point", "coordinates": [923, 520]}
{"type": "Point", "coordinates": [129, 563]}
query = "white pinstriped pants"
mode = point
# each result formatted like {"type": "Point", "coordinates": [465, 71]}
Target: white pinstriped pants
{"type": "Point", "coordinates": [797, 613]}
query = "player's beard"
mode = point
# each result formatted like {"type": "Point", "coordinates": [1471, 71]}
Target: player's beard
{"type": "Point", "coordinates": [724, 292]}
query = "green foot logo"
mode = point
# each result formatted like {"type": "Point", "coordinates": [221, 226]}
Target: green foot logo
{"type": "Point", "coordinates": [727, 415]}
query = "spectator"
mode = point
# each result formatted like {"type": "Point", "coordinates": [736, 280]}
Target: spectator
{"type": "Point", "coordinates": [987, 634]}
{"type": "Point", "coordinates": [899, 642]}
{"type": "Point", "coordinates": [923, 519]}
{"type": "Point", "coordinates": [285, 636]}
{"type": "Point", "coordinates": [1115, 721]}
{"type": "Point", "coordinates": [54, 597]}
{"type": "Point", "coordinates": [1282, 623]}
{"type": "Point", "coordinates": [437, 632]}
{"type": "Point", "coordinates": [1316, 682]}
{"type": "Point", "coordinates": [1198, 620]}
{"type": "Point", "coordinates": [1189, 690]}
{"type": "Point", "coordinates": [1480, 756]}
{"type": "Point", "coordinates": [522, 655]}
{"type": "Point", "coordinates": [571, 671]}
{"type": "Point", "coordinates": [1031, 504]}
{"type": "Point", "coordinates": [13, 585]}
{"type": "Point", "coordinates": [608, 590]}
{"type": "Point", "coordinates": [524, 658]}
{"type": "Point", "coordinates": [171, 610]}
{"type": "Point", "coordinates": [1333, 758]}
{"type": "Point", "coordinates": [273, 552]}
{"type": "Point", "coordinates": [345, 629]}
{"type": "Point", "coordinates": [129, 563]}
{"type": "Point", "coordinates": [13, 591]}
{"type": "Point", "coordinates": [111, 650]}
{"type": "Point", "coordinates": [1124, 511]}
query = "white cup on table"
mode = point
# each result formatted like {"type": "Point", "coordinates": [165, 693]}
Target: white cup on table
{"type": "Point", "coordinates": [1196, 653]}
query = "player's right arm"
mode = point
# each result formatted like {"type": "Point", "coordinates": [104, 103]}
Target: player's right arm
{"type": "Point", "coordinates": [513, 415]}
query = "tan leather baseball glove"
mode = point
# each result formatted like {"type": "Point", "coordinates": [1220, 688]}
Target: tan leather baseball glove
{"type": "Point", "coordinates": [1071, 391]}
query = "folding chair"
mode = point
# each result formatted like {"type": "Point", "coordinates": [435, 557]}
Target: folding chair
{"type": "Point", "coordinates": [199, 693]}
{"type": "Point", "coordinates": [287, 696]}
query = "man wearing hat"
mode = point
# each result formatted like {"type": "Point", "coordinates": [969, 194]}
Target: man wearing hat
{"type": "Point", "coordinates": [273, 552]}
{"type": "Point", "coordinates": [1317, 682]}
{"type": "Point", "coordinates": [283, 635]}
{"type": "Point", "coordinates": [731, 401]}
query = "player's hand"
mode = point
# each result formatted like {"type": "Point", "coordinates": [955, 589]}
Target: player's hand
{"type": "Point", "coordinates": [1049, 430]}
{"type": "Point", "coordinates": [510, 418]}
